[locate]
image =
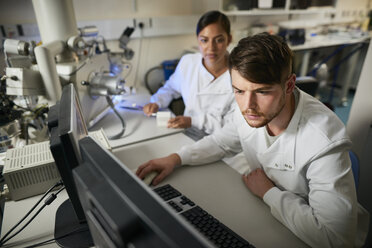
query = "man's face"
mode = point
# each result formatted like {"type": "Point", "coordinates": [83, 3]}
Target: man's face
{"type": "Point", "coordinates": [259, 103]}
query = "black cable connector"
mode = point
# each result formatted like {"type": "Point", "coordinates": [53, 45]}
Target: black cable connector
{"type": "Point", "coordinates": [48, 201]}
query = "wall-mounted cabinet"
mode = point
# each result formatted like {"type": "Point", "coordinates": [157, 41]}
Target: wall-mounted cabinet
{"type": "Point", "coordinates": [276, 7]}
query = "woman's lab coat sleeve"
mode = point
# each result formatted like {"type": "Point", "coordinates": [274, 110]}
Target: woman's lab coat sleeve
{"type": "Point", "coordinates": [212, 121]}
{"type": "Point", "coordinates": [223, 142]}
{"type": "Point", "coordinates": [328, 218]}
{"type": "Point", "coordinates": [171, 89]}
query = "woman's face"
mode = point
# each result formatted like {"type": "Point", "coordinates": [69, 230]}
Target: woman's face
{"type": "Point", "coordinates": [213, 41]}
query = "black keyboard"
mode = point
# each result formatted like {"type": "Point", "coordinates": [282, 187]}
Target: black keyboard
{"type": "Point", "coordinates": [219, 234]}
{"type": "Point", "coordinates": [194, 133]}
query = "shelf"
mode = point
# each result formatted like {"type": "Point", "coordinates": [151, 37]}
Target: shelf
{"type": "Point", "coordinates": [256, 12]}
{"type": "Point", "coordinates": [242, 8]}
{"type": "Point", "coordinates": [261, 12]}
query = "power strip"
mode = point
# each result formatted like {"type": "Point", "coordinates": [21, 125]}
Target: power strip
{"type": "Point", "coordinates": [101, 138]}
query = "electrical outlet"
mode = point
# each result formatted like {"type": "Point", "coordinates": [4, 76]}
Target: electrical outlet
{"type": "Point", "coordinates": [10, 30]}
{"type": "Point", "coordinates": [146, 22]}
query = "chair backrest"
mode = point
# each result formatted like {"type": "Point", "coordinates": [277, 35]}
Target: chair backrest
{"type": "Point", "coordinates": [308, 84]}
{"type": "Point", "coordinates": [355, 167]}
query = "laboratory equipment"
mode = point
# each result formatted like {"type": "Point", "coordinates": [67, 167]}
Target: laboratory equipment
{"type": "Point", "coordinates": [29, 170]}
{"type": "Point", "coordinates": [67, 54]}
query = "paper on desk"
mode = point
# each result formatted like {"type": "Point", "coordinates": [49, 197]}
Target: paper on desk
{"type": "Point", "coordinates": [133, 106]}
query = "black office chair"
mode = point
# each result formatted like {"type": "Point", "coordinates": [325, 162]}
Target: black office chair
{"type": "Point", "coordinates": [308, 84]}
{"type": "Point", "coordinates": [155, 78]}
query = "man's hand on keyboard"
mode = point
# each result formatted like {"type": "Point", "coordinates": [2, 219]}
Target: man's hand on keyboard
{"type": "Point", "coordinates": [163, 166]}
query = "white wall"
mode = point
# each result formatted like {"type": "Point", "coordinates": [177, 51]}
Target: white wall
{"type": "Point", "coordinates": [21, 11]}
{"type": "Point", "coordinates": [175, 20]}
{"type": "Point", "coordinates": [353, 8]}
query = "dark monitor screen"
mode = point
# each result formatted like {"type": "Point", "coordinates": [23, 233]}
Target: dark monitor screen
{"type": "Point", "coordinates": [67, 127]}
{"type": "Point", "coordinates": [121, 210]}
{"type": "Point", "coordinates": [64, 137]}
{"type": "Point", "coordinates": [71, 124]}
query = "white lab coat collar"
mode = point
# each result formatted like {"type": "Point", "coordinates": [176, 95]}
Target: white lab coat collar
{"type": "Point", "coordinates": [204, 70]}
{"type": "Point", "coordinates": [204, 88]}
{"type": "Point", "coordinates": [281, 154]}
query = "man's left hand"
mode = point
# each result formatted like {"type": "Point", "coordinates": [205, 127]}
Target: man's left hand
{"type": "Point", "coordinates": [258, 183]}
{"type": "Point", "coordinates": [180, 122]}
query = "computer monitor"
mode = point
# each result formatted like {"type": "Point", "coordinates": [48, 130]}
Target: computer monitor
{"type": "Point", "coordinates": [67, 126]}
{"type": "Point", "coordinates": [121, 210]}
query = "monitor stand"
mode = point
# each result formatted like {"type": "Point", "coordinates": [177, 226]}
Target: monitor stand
{"type": "Point", "coordinates": [67, 222]}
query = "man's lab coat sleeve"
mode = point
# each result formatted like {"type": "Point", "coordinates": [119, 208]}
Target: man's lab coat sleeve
{"type": "Point", "coordinates": [329, 217]}
{"type": "Point", "coordinates": [223, 142]}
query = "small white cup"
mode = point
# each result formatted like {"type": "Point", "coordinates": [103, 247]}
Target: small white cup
{"type": "Point", "coordinates": [162, 118]}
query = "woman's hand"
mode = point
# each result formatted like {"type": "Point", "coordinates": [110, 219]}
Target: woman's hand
{"type": "Point", "coordinates": [150, 108]}
{"type": "Point", "coordinates": [180, 122]}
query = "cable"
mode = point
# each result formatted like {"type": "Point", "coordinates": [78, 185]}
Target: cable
{"type": "Point", "coordinates": [337, 67]}
{"type": "Point", "coordinates": [76, 70]}
{"type": "Point", "coordinates": [45, 242]}
{"type": "Point", "coordinates": [339, 49]}
{"type": "Point", "coordinates": [28, 213]}
{"type": "Point", "coordinates": [105, 49]}
{"type": "Point", "coordinates": [25, 109]}
{"type": "Point", "coordinates": [118, 135]}
{"type": "Point", "coordinates": [2, 240]}
{"type": "Point", "coordinates": [48, 201]}
{"type": "Point", "coordinates": [139, 57]}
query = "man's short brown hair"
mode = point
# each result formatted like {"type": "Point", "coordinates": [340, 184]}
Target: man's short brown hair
{"type": "Point", "coordinates": [262, 58]}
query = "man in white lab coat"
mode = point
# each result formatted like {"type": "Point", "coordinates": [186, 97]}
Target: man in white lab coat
{"type": "Point", "coordinates": [296, 148]}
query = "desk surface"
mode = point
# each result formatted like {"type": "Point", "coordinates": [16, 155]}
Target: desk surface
{"type": "Point", "coordinates": [139, 127]}
{"type": "Point", "coordinates": [219, 190]}
{"type": "Point", "coordinates": [328, 41]}
{"type": "Point", "coordinates": [215, 187]}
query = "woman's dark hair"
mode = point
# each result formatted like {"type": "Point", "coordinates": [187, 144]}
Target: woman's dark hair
{"type": "Point", "coordinates": [213, 17]}
{"type": "Point", "coordinates": [262, 58]}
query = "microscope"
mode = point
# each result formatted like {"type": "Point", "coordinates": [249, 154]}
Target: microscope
{"type": "Point", "coordinates": [66, 54]}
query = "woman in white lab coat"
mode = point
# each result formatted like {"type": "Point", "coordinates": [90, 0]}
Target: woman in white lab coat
{"type": "Point", "coordinates": [202, 79]}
